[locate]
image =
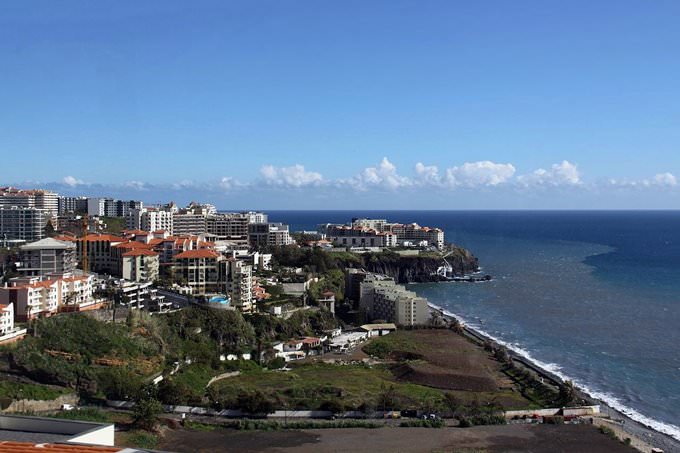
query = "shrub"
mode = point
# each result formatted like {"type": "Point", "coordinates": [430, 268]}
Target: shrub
{"type": "Point", "coordinates": [423, 424]}
{"type": "Point", "coordinates": [146, 413]}
{"type": "Point", "coordinates": [89, 414]}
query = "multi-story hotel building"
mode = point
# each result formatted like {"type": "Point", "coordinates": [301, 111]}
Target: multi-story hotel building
{"type": "Point", "coordinates": [383, 299]}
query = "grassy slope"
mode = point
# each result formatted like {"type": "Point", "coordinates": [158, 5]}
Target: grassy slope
{"type": "Point", "coordinates": [18, 390]}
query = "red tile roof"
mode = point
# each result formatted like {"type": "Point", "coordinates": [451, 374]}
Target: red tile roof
{"type": "Point", "coordinates": [19, 447]}
{"type": "Point", "coordinates": [140, 252]}
{"type": "Point", "coordinates": [133, 245]}
{"type": "Point", "coordinates": [202, 253]}
{"type": "Point", "coordinates": [102, 237]}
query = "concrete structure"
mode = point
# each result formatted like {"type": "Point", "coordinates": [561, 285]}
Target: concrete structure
{"type": "Point", "coordinates": [237, 277]}
{"type": "Point", "coordinates": [140, 265]}
{"type": "Point", "coordinates": [359, 236]}
{"type": "Point", "coordinates": [327, 300]}
{"type": "Point", "coordinates": [35, 297]}
{"type": "Point", "coordinates": [415, 233]}
{"type": "Point", "coordinates": [229, 226]}
{"type": "Point", "coordinates": [150, 219]}
{"type": "Point", "coordinates": [140, 295]}
{"type": "Point", "coordinates": [112, 208]}
{"type": "Point", "coordinates": [47, 256]}
{"type": "Point", "coordinates": [269, 234]}
{"type": "Point", "coordinates": [43, 431]}
{"type": "Point", "coordinates": [199, 269]}
{"type": "Point", "coordinates": [99, 252]}
{"type": "Point", "coordinates": [31, 299]}
{"type": "Point", "coordinates": [256, 217]}
{"type": "Point", "coordinates": [6, 319]}
{"type": "Point", "coordinates": [383, 299]}
{"type": "Point", "coordinates": [9, 333]}
{"type": "Point", "coordinates": [378, 330]}
{"type": "Point", "coordinates": [188, 223]}
{"type": "Point", "coordinates": [76, 292]}
{"type": "Point", "coordinates": [24, 223]}
{"type": "Point", "coordinates": [367, 232]}
{"type": "Point", "coordinates": [39, 199]}
{"type": "Point", "coordinates": [72, 204]}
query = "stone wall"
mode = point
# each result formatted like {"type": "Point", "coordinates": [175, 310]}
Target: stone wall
{"type": "Point", "coordinates": [36, 406]}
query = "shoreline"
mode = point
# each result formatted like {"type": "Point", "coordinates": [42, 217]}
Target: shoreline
{"type": "Point", "coordinates": [629, 424]}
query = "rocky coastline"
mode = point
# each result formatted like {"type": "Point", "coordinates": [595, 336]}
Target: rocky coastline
{"type": "Point", "coordinates": [424, 268]}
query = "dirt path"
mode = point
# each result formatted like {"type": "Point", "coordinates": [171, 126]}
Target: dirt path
{"type": "Point", "coordinates": [491, 439]}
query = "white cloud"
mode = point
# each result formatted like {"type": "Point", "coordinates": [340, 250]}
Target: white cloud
{"type": "Point", "coordinates": [427, 175]}
{"type": "Point", "coordinates": [479, 174]}
{"type": "Point", "coordinates": [665, 180]}
{"type": "Point", "coordinates": [383, 176]}
{"type": "Point", "coordinates": [227, 183]}
{"type": "Point", "coordinates": [72, 181]}
{"type": "Point", "coordinates": [562, 174]}
{"type": "Point", "coordinates": [135, 185]}
{"type": "Point", "coordinates": [293, 176]}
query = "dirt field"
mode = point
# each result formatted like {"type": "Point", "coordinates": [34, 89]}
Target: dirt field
{"type": "Point", "coordinates": [448, 361]}
{"type": "Point", "coordinates": [491, 439]}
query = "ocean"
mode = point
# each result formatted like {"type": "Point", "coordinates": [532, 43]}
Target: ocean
{"type": "Point", "coordinates": [591, 296]}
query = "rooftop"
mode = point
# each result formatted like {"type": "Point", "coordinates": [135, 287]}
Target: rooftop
{"type": "Point", "coordinates": [202, 253]}
{"type": "Point", "coordinates": [48, 243]}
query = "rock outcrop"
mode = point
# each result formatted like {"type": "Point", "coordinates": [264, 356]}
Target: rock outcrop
{"type": "Point", "coordinates": [420, 269]}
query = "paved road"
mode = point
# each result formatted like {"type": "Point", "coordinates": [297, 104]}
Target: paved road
{"type": "Point", "coordinates": [178, 300]}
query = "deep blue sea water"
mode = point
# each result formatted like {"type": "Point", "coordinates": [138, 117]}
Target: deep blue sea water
{"type": "Point", "coordinates": [593, 296]}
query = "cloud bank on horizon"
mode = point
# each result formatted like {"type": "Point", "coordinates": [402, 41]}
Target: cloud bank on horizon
{"type": "Point", "coordinates": [385, 177]}
{"type": "Point", "coordinates": [296, 186]}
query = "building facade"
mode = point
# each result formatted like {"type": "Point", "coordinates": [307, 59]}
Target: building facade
{"type": "Point", "coordinates": [383, 299]}
{"type": "Point", "coordinates": [199, 270]}
{"type": "Point", "coordinates": [22, 223]}
{"type": "Point", "coordinates": [47, 256]}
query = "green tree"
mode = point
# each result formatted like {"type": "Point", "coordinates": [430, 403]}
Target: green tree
{"type": "Point", "coordinates": [147, 409]}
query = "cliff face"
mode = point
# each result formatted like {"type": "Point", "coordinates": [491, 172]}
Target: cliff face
{"type": "Point", "coordinates": [419, 269]}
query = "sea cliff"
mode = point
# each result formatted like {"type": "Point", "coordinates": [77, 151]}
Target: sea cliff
{"type": "Point", "coordinates": [420, 268]}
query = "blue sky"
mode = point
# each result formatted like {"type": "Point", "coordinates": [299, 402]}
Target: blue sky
{"type": "Point", "coordinates": [355, 104]}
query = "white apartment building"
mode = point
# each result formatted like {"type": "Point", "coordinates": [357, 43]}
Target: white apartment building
{"type": "Point", "coordinates": [416, 233]}
{"type": "Point", "coordinates": [350, 236]}
{"type": "Point", "coordinates": [31, 297]}
{"type": "Point", "coordinates": [190, 222]}
{"type": "Point", "coordinates": [40, 199]}
{"type": "Point", "coordinates": [383, 299]}
{"type": "Point", "coordinates": [138, 295]}
{"type": "Point", "coordinates": [35, 297]}
{"type": "Point", "coordinates": [256, 217]}
{"type": "Point", "coordinates": [150, 219]}
{"type": "Point", "coordinates": [6, 319]}
{"type": "Point", "coordinates": [140, 265]}
{"type": "Point", "coordinates": [269, 234]}
{"type": "Point", "coordinates": [238, 283]}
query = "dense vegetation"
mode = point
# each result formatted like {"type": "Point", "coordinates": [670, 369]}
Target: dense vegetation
{"type": "Point", "coordinates": [18, 390]}
{"type": "Point", "coordinates": [115, 360]}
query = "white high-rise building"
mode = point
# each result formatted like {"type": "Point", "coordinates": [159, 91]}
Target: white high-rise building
{"type": "Point", "coordinates": [383, 299]}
